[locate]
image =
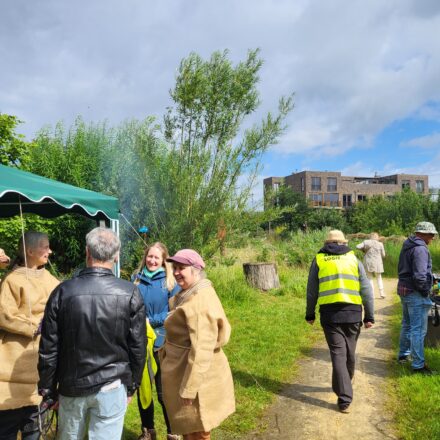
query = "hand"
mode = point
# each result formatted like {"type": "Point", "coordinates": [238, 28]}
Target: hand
{"type": "Point", "coordinates": [188, 402]}
{"type": "Point", "coordinates": [129, 399]}
{"type": "Point", "coordinates": [311, 322]}
{"type": "Point", "coordinates": [48, 403]}
{"type": "Point", "coordinates": [368, 324]}
{"type": "Point", "coordinates": [38, 329]}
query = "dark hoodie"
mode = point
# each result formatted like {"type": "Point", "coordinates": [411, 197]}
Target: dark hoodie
{"type": "Point", "coordinates": [339, 313]}
{"type": "Point", "coordinates": [415, 266]}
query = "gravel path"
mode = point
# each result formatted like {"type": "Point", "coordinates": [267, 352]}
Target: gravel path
{"type": "Point", "coordinates": [307, 408]}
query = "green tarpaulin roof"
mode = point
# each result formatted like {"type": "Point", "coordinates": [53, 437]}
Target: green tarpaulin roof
{"type": "Point", "coordinates": [49, 198]}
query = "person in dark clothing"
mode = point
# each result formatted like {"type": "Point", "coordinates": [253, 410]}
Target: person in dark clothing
{"type": "Point", "coordinates": [339, 285]}
{"type": "Point", "coordinates": [93, 344]}
{"type": "Point", "coordinates": [157, 285]}
{"type": "Point", "coordinates": [414, 287]}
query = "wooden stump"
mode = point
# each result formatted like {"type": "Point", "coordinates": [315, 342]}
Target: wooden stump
{"type": "Point", "coordinates": [263, 276]}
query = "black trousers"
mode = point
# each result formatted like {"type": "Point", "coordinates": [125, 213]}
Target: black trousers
{"type": "Point", "coordinates": [147, 414]}
{"type": "Point", "coordinates": [24, 420]}
{"type": "Point", "coordinates": [342, 340]}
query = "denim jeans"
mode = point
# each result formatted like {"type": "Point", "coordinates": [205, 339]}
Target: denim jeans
{"type": "Point", "coordinates": [415, 311]}
{"type": "Point", "coordinates": [105, 411]}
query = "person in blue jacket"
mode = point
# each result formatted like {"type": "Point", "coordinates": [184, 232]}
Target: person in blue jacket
{"type": "Point", "coordinates": [155, 280]}
{"type": "Point", "coordinates": [414, 288]}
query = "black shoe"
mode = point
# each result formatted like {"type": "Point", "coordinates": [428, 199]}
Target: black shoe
{"type": "Point", "coordinates": [403, 359]}
{"type": "Point", "coordinates": [344, 408]}
{"type": "Point", "coordinates": [424, 370]}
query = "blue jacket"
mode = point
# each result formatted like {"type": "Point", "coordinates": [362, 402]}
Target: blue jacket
{"type": "Point", "coordinates": [415, 266]}
{"type": "Point", "coordinates": [155, 294]}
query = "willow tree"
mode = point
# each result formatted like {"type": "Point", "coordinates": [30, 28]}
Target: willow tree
{"type": "Point", "coordinates": [213, 160]}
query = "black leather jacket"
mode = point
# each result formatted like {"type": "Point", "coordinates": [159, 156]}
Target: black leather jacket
{"type": "Point", "coordinates": [93, 333]}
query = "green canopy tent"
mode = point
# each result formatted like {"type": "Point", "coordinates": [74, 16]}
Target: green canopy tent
{"type": "Point", "coordinates": [21, 191]}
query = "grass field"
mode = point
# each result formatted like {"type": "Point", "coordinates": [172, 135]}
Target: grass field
{"type": "Point", "coordinates": [414, 399]}
{"type": "Point", "coordinates": [269, 333]}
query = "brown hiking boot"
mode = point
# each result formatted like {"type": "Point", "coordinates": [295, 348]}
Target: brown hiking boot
{"type": "Point", "coordinates": [147, 434]}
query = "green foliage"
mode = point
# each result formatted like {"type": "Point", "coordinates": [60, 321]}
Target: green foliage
{"type": "Point", "coordinates": [291, 211]}
{"type": "Point", "coordinates": [396, 215]}
{"type": "Point", "coordinates": [327, 218]}
{"type": "Point", "coordinates": [264, 256]}
{"type": "Point", "coordinates": [209, 152]}
{"type": "Point", "coordinates": [293, 207]}
{"type": "Point", "coordinates": [14, 150]}
{"type": "Point", "coordinates": [300, 248]}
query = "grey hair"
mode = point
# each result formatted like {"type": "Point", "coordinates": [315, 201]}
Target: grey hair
{"type": "Point", "coordinates": [30, 240]}
{"type": "Point", "coordinates": [200, 272]}
{"type": "Point", "coordinates": [103, 244]}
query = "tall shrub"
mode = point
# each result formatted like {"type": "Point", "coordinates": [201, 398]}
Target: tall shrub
{"type": "Point", "coordinates": [213, 161]}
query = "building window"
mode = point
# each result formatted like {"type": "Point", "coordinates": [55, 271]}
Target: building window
{"type": "Point", "coordinates": [302, 184]}
{"type": "Point", "coordinates": [346, 200]}
{"type": "Point", "coordinates": [420, 186]}
{"type": "Point", "coordinates": [361, 197]}
{"type": "Point", "coordinates": [331, 184]}
{"type": "Point", "coordinates": [316, 184]}
{"type": "Point", "coordinates": [316, 199]}
{"type": "Point", "coordinates": [276, 187]}
{"type": "Point", "coordinates": [331, 199]}
{"type": "Point", "coordinates": [406, 183]}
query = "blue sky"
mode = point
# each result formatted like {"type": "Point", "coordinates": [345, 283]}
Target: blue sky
{"type": "Point", "coordinates": [365, 74]}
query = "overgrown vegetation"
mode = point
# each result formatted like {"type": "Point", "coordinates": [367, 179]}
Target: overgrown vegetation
{"type": "Point", "coordinates": [396, 215]}
{"type": "Point", "coordinates": [260, 353]}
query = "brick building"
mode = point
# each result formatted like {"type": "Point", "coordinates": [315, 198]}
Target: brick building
{"type": "Point", "coordinates": [331, 189]}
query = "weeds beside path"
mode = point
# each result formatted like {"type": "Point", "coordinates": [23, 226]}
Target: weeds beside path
{"type": "Point", "coordinates": [306, 409]}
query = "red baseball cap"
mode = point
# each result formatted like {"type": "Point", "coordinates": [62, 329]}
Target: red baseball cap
{"type": "Point", "coordinates": [188, 257]}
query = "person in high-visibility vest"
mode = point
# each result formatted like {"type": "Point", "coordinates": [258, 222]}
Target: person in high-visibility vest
{"type": "Point", "coordinates": [339, 285]}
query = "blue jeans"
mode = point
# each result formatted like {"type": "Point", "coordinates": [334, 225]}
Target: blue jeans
{"type": "Point", "coordinates": [415, 311]}
{"type": "Point", "coordinates": [105, 410]}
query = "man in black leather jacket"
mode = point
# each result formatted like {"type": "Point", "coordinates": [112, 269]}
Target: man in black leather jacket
{"type": "Point", "coordinates": [92, 348]}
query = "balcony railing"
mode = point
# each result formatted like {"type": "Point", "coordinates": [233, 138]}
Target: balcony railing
{"type": "Point", "coordinates": [326, 203]}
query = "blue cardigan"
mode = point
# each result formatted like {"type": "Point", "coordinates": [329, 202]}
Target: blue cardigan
{"type": "Point", "coordinates": [156, 295]}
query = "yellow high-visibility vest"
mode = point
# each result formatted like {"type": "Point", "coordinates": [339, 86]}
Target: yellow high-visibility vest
{"type": "Point", "coordinates": [338, 279]}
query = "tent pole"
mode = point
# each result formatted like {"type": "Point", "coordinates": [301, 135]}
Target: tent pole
{"type": "Point", "coordinates": [114, 224]}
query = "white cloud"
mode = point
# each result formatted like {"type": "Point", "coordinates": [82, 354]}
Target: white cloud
{"type": "Point", "coordinates": [429, 141]}
{"type": "Point", "coordinates": [355, 66]}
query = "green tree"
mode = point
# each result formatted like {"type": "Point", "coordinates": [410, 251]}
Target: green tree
{"type": "Point", "coordinates": [14, 150]}
{"type": "Point", "coordinates": [332, 218]}
{"type": "Point", "coordinates": [125, 161]}
{"type": "Point", "coordinates": [213, 161]}
{"type": "Point", "coordinates": [291, 206]}
{"type": "Point", "coordinates": [397, 214]}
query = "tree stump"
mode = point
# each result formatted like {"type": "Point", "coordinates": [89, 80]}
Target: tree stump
{"type": "Point", "coordinates": [263, 276]}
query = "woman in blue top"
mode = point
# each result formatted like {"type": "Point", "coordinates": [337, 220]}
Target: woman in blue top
{"type": "Point", "coordinates": [155, 280]}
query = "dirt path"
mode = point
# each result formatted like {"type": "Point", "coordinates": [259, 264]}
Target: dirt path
{"type": "Point", "coordinates": [307, 408]}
